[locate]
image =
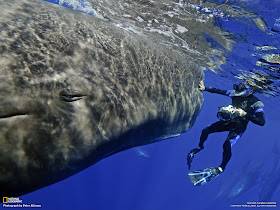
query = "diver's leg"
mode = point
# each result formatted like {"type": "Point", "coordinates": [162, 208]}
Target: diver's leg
{"type": "Point", "coordinates": [215, 127]}
{"type": "Point", "coordinates": [219, 126]}
{"type": "Point", "coordinates": [230, 141]}
{"type": "Point", "coordinates": [226, 154]}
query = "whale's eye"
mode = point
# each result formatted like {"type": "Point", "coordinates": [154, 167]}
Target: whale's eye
{"type": "Point", "coordinates": [70, 95]}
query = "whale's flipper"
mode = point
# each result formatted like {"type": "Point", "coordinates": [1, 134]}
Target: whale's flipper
{"type": "Point", "coordinates": [200, 177]}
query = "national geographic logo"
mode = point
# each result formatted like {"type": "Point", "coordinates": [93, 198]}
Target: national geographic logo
{"type": "Point", "coordinates": [11, 200]}
{"type": "Point", "coordinates": [17, 203]}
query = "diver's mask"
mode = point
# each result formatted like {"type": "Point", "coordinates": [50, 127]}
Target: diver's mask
{"type": "Point", "coordinates": [227, 113]}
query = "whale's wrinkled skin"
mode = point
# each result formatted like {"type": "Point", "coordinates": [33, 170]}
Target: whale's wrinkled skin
{"type": "Point", "coordinates": [75, 89]}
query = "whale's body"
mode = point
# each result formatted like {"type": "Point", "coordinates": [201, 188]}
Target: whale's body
{"type": "Point", "coordinates": [75, 89]}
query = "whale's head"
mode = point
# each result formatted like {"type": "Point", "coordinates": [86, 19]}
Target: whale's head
{"type": "Point", "coordinates": [74, 90]}
{"type": "Point", "coordinates": [48, 125]}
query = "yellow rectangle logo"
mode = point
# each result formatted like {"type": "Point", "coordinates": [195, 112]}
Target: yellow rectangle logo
{"type": "Point", "coordinates": [5, 199]}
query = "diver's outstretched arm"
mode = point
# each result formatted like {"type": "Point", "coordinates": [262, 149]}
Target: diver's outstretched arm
{"type": "Point", "coordinates": [214, 90]}
{"type": "Point", "coordinates": [217, 90]}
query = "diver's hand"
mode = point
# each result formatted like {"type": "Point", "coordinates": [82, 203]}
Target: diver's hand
{"type": "Point", "coordinates": [240, 112]}
{"type": "Point", "coordinates": [201, 85]}
{"type": "Point", "coordinates": [190, 158]}
{"type": "Point", "coordinates": [192, 153]}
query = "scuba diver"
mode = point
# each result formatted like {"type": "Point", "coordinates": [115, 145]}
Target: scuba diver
{"type": "Point", "coordinates": [234, 118]}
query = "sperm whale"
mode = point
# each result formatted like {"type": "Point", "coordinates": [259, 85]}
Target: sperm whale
{"type": "Point", "coordinates": [75, 89]}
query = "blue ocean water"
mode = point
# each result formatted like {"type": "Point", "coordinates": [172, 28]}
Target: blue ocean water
{"type": "Point", "coordinates": [154, 177]}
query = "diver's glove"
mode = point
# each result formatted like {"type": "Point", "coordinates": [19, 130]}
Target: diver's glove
{"type": "Point", "coordinates": [192, 153]}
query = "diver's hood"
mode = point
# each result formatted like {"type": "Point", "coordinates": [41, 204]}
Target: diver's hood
{"type": "Point", "coordinates": [244, 93]}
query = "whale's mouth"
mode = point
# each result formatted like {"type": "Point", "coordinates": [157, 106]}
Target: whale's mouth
{"type": "Point", "coordinates": [13, 115]}
{"type": "Point", "coordinates": [10, 110]}
{"type": "Point", "coordinates": [15, 107]}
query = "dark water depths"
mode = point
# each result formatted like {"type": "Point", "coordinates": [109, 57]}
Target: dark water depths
{"type": "Point", "coordinates": [232, 40]}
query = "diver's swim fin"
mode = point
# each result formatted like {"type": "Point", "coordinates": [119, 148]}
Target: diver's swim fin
{"type": "Point", "coordinates": [200, 177]}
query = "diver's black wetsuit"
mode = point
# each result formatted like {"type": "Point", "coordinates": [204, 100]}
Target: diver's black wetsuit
{"type": "Point", "coordinates": [237, 126]}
